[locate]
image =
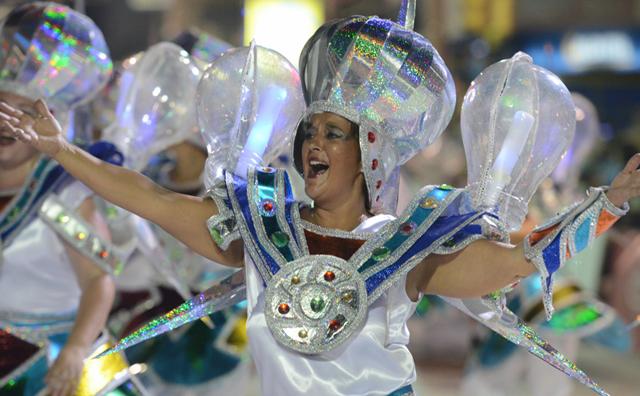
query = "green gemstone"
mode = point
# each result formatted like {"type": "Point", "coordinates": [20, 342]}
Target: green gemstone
{"type": "Point", "coordinates": [450, 243]}
{"type": "Point", "coordinates": [445, 187]}
{"type": "Point", "coordinates": [317, 304]}
{"type": "Point", "coordinates": [280, 239]}
{"type": "Point", "coordinates": [380, 253]}
{"type": "Point", "coordinates": [215, 234]}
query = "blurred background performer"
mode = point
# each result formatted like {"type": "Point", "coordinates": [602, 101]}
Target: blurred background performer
{"type": "Point", "coordinates": [496, 366]}
{"type": "Point", "coordinates": [56, 258]}
{"type": "Point", "coordinates": [146, 112]}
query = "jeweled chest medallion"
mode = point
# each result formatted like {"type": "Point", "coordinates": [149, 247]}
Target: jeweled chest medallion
{"type": "Point", "coordinates": [315, 303]}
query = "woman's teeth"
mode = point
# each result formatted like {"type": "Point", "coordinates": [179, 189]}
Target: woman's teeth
{"type": "Point", "coordinates": [318, 168]}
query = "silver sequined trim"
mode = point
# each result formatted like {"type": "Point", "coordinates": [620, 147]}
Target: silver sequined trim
{"type": "Point", "coordinates": [225, 215]}
{"type": "Point", "coordinates": [567, 223]}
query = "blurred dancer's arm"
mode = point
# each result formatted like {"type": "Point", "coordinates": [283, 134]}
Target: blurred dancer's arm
{"type": "Point", "coordinates": [181, 215]}
{"type": "Point", "coordinates": [98, 291]}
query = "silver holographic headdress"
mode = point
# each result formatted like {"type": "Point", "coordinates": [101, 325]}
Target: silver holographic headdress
{"type": "Point", "coordinates": [386, 78]}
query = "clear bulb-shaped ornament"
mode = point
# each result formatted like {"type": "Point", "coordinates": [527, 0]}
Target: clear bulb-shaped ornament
{"type": "Point", "coordinates": [249, 102]}
{"type": "Point", "coordinates": [517, 120]}
{"type": "Point", "coordinates": [155, 107]}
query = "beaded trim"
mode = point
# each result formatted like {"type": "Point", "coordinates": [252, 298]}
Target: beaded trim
{"type": "Point", "coordinates": [80, 234]}
{"type": "Point", "coordinates": [390, 229]}
{"type": "Point", "coordinates": [565, 225]}
{"type": "Point", "coordinates": [332, 232]}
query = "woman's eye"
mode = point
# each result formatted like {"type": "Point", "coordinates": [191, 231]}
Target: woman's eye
{"type": "Point", "coordinates": [335, 134]}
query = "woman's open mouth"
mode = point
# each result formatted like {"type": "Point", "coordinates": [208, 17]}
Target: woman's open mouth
{"type": "Point", "coordinates": [6, 140]}
{"type": "Point", "coordinates": [317, 168]}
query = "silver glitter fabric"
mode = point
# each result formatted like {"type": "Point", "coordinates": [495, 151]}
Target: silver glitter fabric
{"type": "Point", "coordinates": [566, 235]}
{"type": "Point", "coordinates": [386, 78]}
{"type": "Point", "coordinates": [50, 51]}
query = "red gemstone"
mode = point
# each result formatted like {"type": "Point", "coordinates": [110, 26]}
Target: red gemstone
{"type": "Point", "coordinates": [334, 324]}
{"type": "Point", "coordinates": [267, 206]}
{"type": "Point", "coordinates": [329, 276]}
{"type": "Point", "coordinates": [104, 254]}
{"type": "Point", "coordinates": [374, 164]}
{"type": "Point", "coordinates": [371, 136]}
{"type": "Point", "coordinates": [378, 184]}
{"type": "Point", "coordinates": [283, 308]}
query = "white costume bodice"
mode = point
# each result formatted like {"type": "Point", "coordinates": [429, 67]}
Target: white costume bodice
{"type": "Point", "coordinates": [375, 361]}
{"type": "Point", "coordinates": [36, 276]}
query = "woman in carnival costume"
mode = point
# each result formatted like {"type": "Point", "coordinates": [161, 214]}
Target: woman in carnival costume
{"type": "Point", "coordinates": [56, 261]}
{"type": "Point", "coordinates": [330, 286]}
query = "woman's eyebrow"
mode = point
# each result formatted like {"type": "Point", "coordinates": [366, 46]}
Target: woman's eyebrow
{"type": "Point", "coordinates": [332, 125]}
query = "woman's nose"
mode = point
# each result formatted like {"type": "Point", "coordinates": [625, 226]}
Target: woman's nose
{"type": "Point", "coordinates": [315, 142]}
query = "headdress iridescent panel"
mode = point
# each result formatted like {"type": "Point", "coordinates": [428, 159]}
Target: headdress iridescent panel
{"type": "Point", "coordinates": [50, 51]}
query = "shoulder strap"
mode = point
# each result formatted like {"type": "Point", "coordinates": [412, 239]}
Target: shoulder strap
{"type": "Point", "coordinates": [81, 235]}
{"type": "Point", "coordinates": [431, 219]}
{"type": "Point", "coordinates": [44, 178]}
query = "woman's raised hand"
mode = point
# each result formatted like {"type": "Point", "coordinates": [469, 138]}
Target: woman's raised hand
{"type": "Point", "coordinates": [626, 185]}
{"type": "Point", "coordinates": [40, 129]}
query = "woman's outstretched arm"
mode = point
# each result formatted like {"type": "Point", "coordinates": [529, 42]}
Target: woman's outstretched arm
{"type": "Point", "coordinates": [479, 269]}
{"type": "Point", "coordinates": [485, 266]}
{"type": "Point", "coordinates": [182, 216]}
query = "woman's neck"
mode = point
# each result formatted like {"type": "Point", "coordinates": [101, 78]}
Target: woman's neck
{"type": "Point", "coordinates": [345, 215]}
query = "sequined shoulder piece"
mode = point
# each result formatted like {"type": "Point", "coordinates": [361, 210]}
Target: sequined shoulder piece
{"type": "Point", "coordinates": [436, 216]}
{"type": "Point", "coordinates": [259, 210]}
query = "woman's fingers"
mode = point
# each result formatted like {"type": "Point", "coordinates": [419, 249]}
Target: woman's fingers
{"type": "Point", "coordinates": [6, 117]}
{"type": "Point", "coordinates": [16, 132]}
{"type": "Point", "coordinates": [632, 164]}
{"type": "Point", "coordinates": [12, 111]}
